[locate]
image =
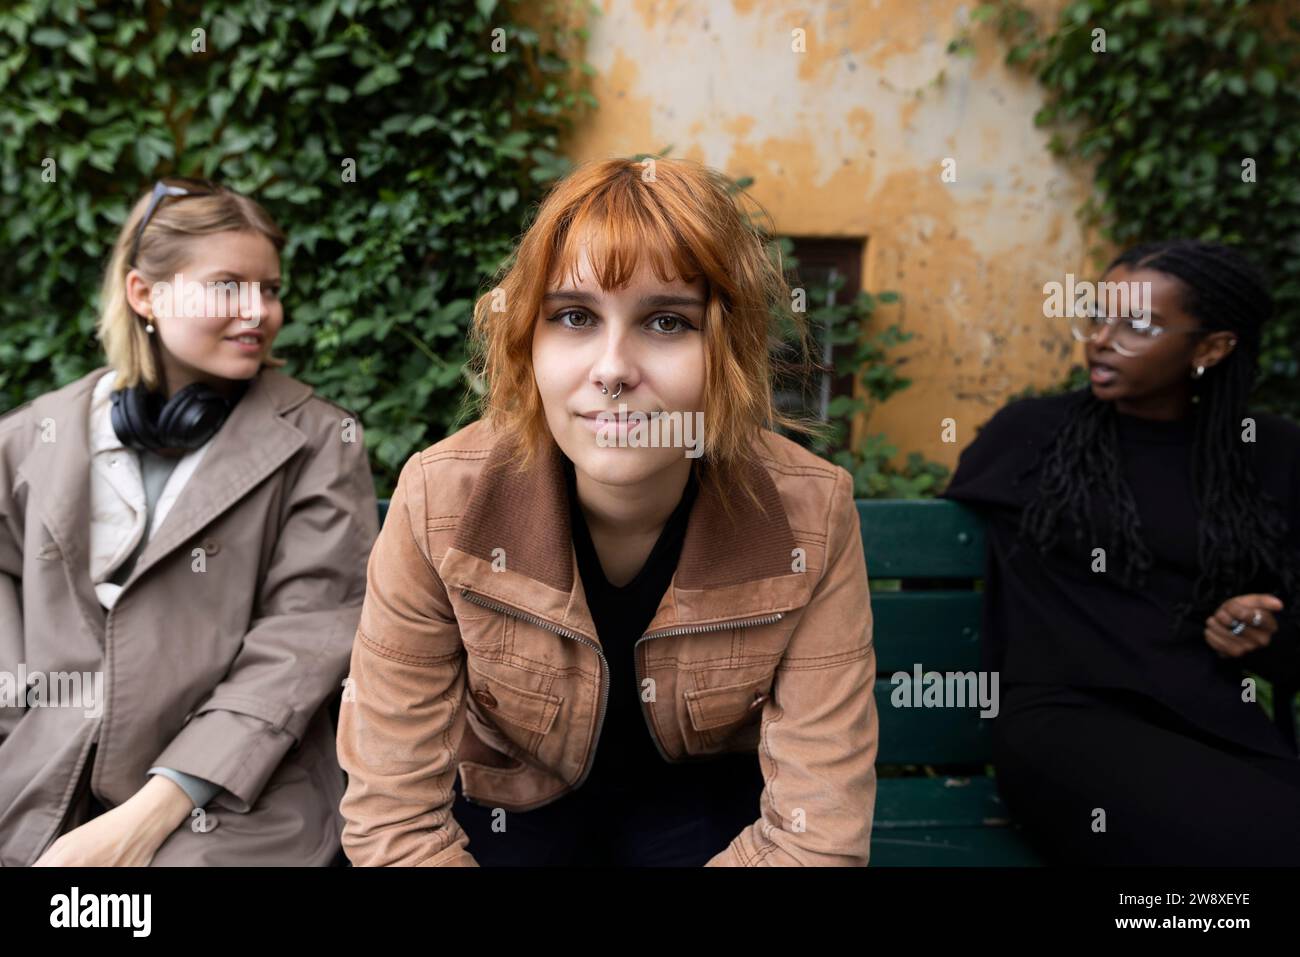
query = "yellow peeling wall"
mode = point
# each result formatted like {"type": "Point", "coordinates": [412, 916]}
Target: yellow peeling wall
{"type": "Point", "coordinates": [848, 140]}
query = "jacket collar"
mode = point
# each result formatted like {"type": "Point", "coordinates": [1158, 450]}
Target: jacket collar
{"type": "Point", "coordinates": [109, 458]}
{"type": "Point", "coordinates": [728, 569]}
{"type": "Point", "coordinates": [252, 443]}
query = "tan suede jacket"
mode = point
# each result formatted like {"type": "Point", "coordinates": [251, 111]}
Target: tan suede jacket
{"type": "Point", "coordinates": [476, 653]}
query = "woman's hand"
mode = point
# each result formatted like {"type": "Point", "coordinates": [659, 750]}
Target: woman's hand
{"type": "Point", "coordinates": [1254, 615]}
{"type": "Point", "coordinates": [128, 835]}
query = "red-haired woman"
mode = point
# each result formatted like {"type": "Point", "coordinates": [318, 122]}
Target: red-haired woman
{"type": "Point", "coordinates": [618, 620]}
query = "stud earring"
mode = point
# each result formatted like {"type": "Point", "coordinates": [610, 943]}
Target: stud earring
{"type": "Point", "coordinates": [1200, 371]}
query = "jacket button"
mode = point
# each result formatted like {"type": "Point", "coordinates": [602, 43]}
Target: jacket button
{"type": "Point", "coordinates": [211, 547]}
{"type": "Point", "coordinates": [485, 698]}
{"type": "Point", "coordinates": [759, 698]}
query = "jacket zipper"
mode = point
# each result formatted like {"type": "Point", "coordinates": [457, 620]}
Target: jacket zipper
{"type": "Point", "coordinates": [687, 630]}
{"type": "Point", "coordinates": [563, 632]}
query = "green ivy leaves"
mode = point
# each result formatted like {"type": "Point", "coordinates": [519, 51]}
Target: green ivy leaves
{"type": "Point", "coordinates": [1192, 119]}
{"type": "Point", "coordinates": [450, 140]}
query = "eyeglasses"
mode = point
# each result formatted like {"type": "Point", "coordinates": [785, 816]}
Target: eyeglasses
{"type": "Point", "coordinates": [1130, 336]}
{"type": "Point", "coordinates": [161, 190]}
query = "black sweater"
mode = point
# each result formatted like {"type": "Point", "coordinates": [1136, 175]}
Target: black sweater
{"type": "Point", "coordinates": [1052, 620]}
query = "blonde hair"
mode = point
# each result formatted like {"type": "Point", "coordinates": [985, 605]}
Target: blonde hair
{"type": "Point", "coordinates": [165, 246]}
{"type": "Point", "coordinates": [684, 217]}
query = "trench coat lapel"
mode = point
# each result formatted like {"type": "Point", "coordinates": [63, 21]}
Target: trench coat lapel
{"type": "Point", "coordinates": [252, 443]}
{"type": "Point", "coordinates": [57, 472]}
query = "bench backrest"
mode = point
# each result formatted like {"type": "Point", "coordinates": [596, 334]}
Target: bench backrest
{"type": "Point", "coordinates": [923, 557]}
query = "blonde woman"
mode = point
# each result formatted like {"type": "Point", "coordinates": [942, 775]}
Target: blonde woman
{"type": "Point", "coordinates": [183, 536]}
{"type": "Point", "coordinates": [582, 644]}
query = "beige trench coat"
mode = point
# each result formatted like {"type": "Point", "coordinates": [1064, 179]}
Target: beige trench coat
{"type": "Point", "coordinates": [229, 638]}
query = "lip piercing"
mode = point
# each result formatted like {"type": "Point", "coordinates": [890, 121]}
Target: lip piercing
{"type": "Point", "coordinates": [604, 390]}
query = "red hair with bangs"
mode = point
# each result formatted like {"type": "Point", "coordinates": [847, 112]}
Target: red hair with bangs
{"type": "Point", "coordinates": [684, 217]}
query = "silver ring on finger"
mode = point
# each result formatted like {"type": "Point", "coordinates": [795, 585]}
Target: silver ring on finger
{"type": "Point", "coordinates": [1238, 626]}
{"type": "Point", "coordinates": [1258, 619]}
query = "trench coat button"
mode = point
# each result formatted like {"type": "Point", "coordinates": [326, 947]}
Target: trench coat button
{"type": "Point", "coordinates": [485, 698]}
{"type": "Point", "coordinates": [211, 547]}
{"type": "Point", "coordinates": [759, 698]}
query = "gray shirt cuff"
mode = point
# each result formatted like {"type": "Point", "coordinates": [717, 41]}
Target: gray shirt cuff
{"type": "Point", "coordinates": [200, 790]}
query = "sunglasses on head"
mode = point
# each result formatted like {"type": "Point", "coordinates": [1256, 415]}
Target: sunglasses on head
{"type": "Point", "coordinates": [172, 186]}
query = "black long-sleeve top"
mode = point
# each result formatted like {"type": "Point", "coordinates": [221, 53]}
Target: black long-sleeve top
{"type": "Point", "coordinates": [1053, 620]}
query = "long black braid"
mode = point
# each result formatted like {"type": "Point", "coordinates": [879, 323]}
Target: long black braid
{"type": "Point", "coordinates": [1241, 530]}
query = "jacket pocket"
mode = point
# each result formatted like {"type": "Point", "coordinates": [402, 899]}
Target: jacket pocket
{"type": "Point", "coordinates": [521, 715]}
{"type": "Point", "coordinates": [720, 716]}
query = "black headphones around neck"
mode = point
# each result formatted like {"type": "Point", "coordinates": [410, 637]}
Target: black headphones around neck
{"type": "Point", "coordinates": [145, 422]}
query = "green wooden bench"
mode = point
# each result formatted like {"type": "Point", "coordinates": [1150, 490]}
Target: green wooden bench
{"type": "Point", "coordinates": [923, 557]}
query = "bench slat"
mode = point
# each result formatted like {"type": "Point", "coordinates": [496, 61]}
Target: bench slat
{"type": "Point", "coordinates": [955, 822]}
{"type": "Point", "coordinates": [953, 847]}
{"type": "Point", "coordinates": [939, 802]}
{"type": "Point", "coordinates": [920, 735]}
{"type": "Point", "coordinates": [928, 538]}
{"type": "Point", "coordinates": [938, 629]}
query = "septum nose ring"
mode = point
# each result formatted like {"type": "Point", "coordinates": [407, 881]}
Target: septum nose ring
{"type": "Point", "coordinates": [604, 390]}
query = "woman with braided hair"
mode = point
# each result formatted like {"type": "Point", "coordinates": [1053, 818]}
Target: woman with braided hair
{"type": "Point", "coordinates": [1143, 567]}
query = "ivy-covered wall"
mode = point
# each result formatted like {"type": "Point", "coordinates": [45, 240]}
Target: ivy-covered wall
{"type": "Point", "coordinates": [397, 144]}
{"type": "Point", "coordinates": [1189, 112]}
